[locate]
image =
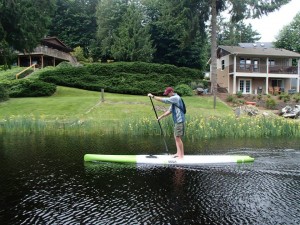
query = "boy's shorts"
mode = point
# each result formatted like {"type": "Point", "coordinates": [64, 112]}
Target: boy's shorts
{"type": "Point", "coordinates": [179, 129]}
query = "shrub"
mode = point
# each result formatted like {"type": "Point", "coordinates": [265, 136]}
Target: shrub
{"type": "Point", "coordinates": [296, 98]}
{"type": "Point", "coordinates": [30, 88]}
{"type": "Point", "coordinates": [64, 64]}
{"type": "Point", "coordinates": [285, 97]}
{"type": "Point", "coordinates": [270, 103]}
{"type": "Point", "coordinates": [239, 94]}
{"type": "Point", "coordinates": [184, 90]}
{"type": "Point", "coordinates": [127, 78]}
{"type": "Point", "coordinates": [259, 97]}
{"type": "Point", "coordinates": [3, 93]}
{"type": "Point", "coordinates": [230, 98]}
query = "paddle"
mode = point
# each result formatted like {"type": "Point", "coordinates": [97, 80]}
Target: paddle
{"type": "Point", "coordinates": [161, 130]}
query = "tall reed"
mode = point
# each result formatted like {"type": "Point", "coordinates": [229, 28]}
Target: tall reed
{"type": "Point", "coordinates": [196, 127]}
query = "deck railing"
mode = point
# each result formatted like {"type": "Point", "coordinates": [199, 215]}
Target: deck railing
{"type": "Point", "coordinates": [251, 68]}
{"type": "Point", "coordinates": [53, 53]}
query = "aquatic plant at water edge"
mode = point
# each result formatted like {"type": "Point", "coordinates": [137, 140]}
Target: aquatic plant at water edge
{"type": "Point", "coordinates": [196, 127]}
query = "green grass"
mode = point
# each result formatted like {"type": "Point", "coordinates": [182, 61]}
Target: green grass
{"type": "Point", "coordinates": [74, 111]}
{"type": "Point", "coordinates": [71, 103]}
{"type": "Point", "coordinates": [69, 106]}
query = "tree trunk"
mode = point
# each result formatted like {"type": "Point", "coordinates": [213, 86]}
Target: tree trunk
{"type": "Point", "coordinates": [213, 50]}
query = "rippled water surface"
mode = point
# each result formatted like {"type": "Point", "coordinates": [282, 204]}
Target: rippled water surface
{"type": "Point", "coordinates": [45, 181]}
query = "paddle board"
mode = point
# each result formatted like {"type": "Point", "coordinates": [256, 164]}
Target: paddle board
{"type": "Point", "coordinates": [168, 159]}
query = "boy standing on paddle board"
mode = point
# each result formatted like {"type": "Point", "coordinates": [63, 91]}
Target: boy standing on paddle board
{"type": "Point", "coordinates": [176, 109]}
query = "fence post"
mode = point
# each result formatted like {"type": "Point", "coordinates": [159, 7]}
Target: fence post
{"type": "Point", "coordinates": [102, 95]}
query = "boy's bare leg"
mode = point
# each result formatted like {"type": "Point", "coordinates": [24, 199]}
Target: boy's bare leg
{"type": "Point", "coordinates": [179, 146]}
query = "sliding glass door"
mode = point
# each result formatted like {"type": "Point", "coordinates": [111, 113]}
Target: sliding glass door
{"type": "Point", "coordinates": [245, 86]}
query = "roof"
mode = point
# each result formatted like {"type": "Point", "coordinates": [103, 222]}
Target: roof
{"type": "Point", "coordinates": [259, 51]}
{"type": "Point", "coordinates": [257, 45]}
{"type": "Point", "coordinates": [56, 43]}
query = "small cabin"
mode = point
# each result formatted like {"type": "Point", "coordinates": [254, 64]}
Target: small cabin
{"type": "Point", "coordinates": [50, 52]}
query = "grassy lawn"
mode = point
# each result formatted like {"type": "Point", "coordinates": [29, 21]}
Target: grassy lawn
{"type": "Point", "coordinates": [73, 104]}
{"type": "Point", "coordinates": [78, 112]}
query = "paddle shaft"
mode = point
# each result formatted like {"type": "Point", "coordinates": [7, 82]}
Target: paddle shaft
{"type": "Point", "coordinates": [161, 130]}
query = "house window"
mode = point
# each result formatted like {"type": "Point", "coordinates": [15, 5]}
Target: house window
{"type": "Point", "coordinates": [255, 65]}
{"type": "Point", "coordinates": [271, 62]}
{"type": "Point", "coordinates": [245, 86]}
{"type": "Point", "coordinates": [277, 83]}
{"type": "Point", "coordinates": [294, 83]}
{"type": "Point", "coordinates": [242, 63]}
{"type": "Point", "coordinates": [223, 64]}
{"type": "Point", "coordinates": [245, 64]}
{"type": "Point", "coordinates": [248, 64]}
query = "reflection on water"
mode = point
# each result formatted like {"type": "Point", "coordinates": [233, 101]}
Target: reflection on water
{"type": "Point", "coordinates": [45, 181]}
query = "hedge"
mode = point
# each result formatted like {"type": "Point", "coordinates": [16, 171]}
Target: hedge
{"type": "Point", "coordinates": [3, 93]}
{"type": "Point", "coordinates": [30, 88]}
{"type": "Point", "coordinates": [127, 78]}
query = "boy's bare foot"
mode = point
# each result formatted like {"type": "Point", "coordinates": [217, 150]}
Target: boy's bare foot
{"type": "Point", "coordinates": [177, 156]}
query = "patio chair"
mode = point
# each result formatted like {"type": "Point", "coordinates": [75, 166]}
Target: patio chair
{"type": "Point", "coordinates": [276, 90]}
{"type": "Point", "coordinates": [271, 90]}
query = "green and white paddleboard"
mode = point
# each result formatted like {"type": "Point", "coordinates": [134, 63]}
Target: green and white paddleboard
{"type": "Point", "coordinates": [168, 159]}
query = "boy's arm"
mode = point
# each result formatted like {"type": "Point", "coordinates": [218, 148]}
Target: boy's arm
{"type": "Point", "coordinates": [164, 115]}
{"type": "Point", "coordinates": [155, 97]}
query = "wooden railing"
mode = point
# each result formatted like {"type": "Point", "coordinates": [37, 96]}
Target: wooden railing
{"type": "Point", "coordinates": [251, 68]}
{"type": "Point", "coordinates": [54, 53]}
{"type": "Point", "coordinates": [18, 74]}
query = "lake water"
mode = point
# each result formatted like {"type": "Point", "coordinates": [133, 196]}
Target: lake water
{"type": "Point", "coordinates": [45, 181]}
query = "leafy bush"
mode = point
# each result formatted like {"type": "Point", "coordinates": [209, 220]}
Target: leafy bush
{"type": "Point", "coordinates": [230, 98]}
{"type": "Point", "coordinates": [184, 90]}
{"type": "Point", "coordinates": [30, 88]}
{"type": "Point", "coordinates": [259, 96]}
{"type": "Point", "coordinates": [3, 93]}
{"type": "Point", "coordinates": [127, 78]}
{"type": "Point", "coordinates": [239, 94]}
{"type": "Point", "coordinates": [270, 103]}
{"type": "Point", "coordinates": [64, 64]}
{"type": "Point", "coordinates": [296, 98]}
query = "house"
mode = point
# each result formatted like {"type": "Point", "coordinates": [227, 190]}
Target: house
{"type": "Point", "coordinates": [257, 68]}
{"type": "Point", "coordinates": [50, 52]}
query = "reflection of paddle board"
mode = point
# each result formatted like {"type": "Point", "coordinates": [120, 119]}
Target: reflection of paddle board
{"type": "Point", "coordinates": [168, 159]}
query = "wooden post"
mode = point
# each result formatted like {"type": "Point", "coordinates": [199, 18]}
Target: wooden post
{"type": "Point", "coordinates": [102, 95]}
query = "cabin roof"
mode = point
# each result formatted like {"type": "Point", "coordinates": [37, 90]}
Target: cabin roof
{"type": "Point", "coordinates": [258, 51]}
{"type": "Point", "coordinates": [55, 43]}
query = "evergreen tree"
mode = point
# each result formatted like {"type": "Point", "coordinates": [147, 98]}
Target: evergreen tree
{"type": "Point", "coordinates": [178, 32]}
{"type": "Point", "coordinates": [132, 41]}
{"type": "Point", "coordinates": [289, 37]}
{"type": "Point", "coordinates": [109, 14]}
{"type": "Point", "coordinates": [234, 33]}
{"type": "Point", "coordinates": [23, 23]}
{"type": "Point", "coordinates": [74, 23]}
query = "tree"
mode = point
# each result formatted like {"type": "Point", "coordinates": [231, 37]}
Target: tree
{"type": "Point", "coordinates": [288, 38]}
{"type": "Point", "coordinates": [132, 41]}
{"type": "Point", "coordinates": [109, 14]}
{"type": "Point", "coordinates": [233, 33]}
{"type": "Point", "coordinates": [22, 24]}
{"type": "Point", "coordinates": [78, 53]}
{"type": "Point", "coordinates": [74, 23]}
{"type": "Point", "coordinates": [178, 32]}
